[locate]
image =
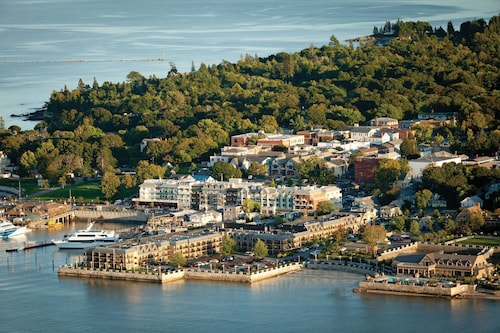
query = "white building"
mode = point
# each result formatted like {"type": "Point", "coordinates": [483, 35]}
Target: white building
{"type": "Point", "coordinates": [418, 165]}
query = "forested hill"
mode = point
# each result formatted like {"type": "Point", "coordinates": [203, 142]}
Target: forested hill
{"type": "Point", "coordinates": [329, 86]}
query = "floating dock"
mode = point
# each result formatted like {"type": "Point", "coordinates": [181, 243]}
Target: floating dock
{"type": "Point", "coordinates": [29, 246]}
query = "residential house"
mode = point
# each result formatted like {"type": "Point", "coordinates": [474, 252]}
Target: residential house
{"type": "Point", "coordinates": [471, 201]}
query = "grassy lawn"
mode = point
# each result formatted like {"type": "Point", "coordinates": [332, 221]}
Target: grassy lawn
{"type": "Point", "coordinates": [482, 241]}
{"type": "Point", "coordinates": [29, 185]}
{"type": "Point", "coordinates": [84, 192]}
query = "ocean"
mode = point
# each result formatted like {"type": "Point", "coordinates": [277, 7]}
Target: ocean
{"type": "Point", "coordinates": [48, 45]}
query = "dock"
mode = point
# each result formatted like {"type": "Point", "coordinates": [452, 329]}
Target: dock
{"type": "Point", "coordinates": [29, 246]}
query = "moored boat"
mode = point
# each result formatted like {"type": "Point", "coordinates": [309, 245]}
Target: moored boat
{"type": "Point", "coordinates": [87, 237]}
{"type": "Point", "coordinates": [7, 229]}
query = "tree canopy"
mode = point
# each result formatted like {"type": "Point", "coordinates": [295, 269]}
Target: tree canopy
{"type": "Point", "coordinates": [101, 126]}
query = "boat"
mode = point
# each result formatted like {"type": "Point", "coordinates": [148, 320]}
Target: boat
{"type": "Point", "coordinates": [54, 224]}
{"type": "Point", "coordinates": [7, 229]}
{"type": "Point", "coordinates": [87, 237]}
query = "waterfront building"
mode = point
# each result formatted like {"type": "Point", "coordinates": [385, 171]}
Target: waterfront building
{"type": "Point", "coordinates": [295, 236]}
{"type": "Point", "coordinates": [456, 265]}
{"type": "Point", "coordinates": [137, 255]}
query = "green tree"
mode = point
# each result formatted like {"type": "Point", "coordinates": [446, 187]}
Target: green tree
{"type": "Point", "coordinates": [373, 235]}
{"type": "Point", "coordinates": [476, 221]}
{"type": "Point", "coordinates": [224, 170]}
{"type": "Point", "coordinates": [414, 228]}
{"type": "Point", "coordinates": [409, 148]}
{"type": "Point", "coordinates": [422, 198]}
{"type": "Point", "coordinates": [398, 224]}
{"type": "Point", "coordinates": [110, 184]}
{"type": "Point", "coordinates": [178, 259]}
{"type": "Point", "coordinates": [260, 249]}
{"type": "Point", "coordinates": [324, 207]}
{"type": "Point", "coordinates": [62, 181]}
{"type": "Point", "coordinates": [128, 181]}
{"type": "Point", "coordinates": [228, 246]}
{"type": "Point", "coordinates": [257, 169]}
{"type": "Point", "coordinates": [248, 205]}
{"type": "Point", "coordinates": [388, 171]}
{"type": "Point", "coordinates": [28, 161]}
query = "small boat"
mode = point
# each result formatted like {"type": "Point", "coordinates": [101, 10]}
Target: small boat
{"type": "Point", "coordinates": [54, 224]}
{"type": "Point", "coordinates": [87, 237]}
{"type": "Point", "coordinates": [8, 230]}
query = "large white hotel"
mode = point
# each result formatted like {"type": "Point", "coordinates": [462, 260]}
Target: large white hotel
{"type": "Point", "coordinates": [208, 193]}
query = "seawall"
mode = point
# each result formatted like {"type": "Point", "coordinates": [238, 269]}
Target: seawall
{"type": "Point", "coordinates": [189, 273]}
{"type": "Point", "coordinates": [413, 289]}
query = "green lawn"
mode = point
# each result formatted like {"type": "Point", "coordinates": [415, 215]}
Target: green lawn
{"type": "Point", "coordinates": [29, 185]}
{"type": "Point", "coordinates": [481, 241]}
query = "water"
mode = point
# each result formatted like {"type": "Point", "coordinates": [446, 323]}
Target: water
{"type": "Point", "coordinates": [37, 36]}
{"type": "Point", "coordinates": [33, 298]}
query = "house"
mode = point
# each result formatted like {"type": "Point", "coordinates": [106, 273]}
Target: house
{"type": "Point", "coordinates": [437, 201]}
{"type": "Point", "coordinates": [471, 201]}
{"type": "Point", "coordinates": [145, 142]}
{"type": "Point", "coordinates": [363, 133]}
{"type": "Point", "coordinates": [384, 121]}
{"type": "Point", "coordinates": [390, 211]}
{"type": "Point", "coordinates": [464, 216]}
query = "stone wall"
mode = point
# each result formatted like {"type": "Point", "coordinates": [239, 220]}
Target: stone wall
{"type": "Point", "coordinates": [190, 273]}
{"type": "Point", "coordinates": [346, 266]}
{"type": "Point", "coordinates": [120, 275]}
{"type": "Point", "coordinates": [414, 289]}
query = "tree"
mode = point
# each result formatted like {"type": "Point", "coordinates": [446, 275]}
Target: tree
{"type": "Point", "coordinates": [388, 171]}
{"type": "Point", "coordinates": [62, 181]}
{"type": "Point", "coordinates": [248, 205]}
{"type": "Point", "coordinates": [228, 246]}
{"type": "Point", "coordinates": [422, 198]}
{"type": "Point", "coordinates": [324, 207]}
{"type": "Point", "coordinates": [260, 249]}
{"type": "Point", "coordinates": [224, 170]}
{"type": "Point", "coordinates": [414, 228]}
{"type": "Point", "coordinates": [398, 223]}
{"type": "Point", "coordinates": [257, 169]}
{"type": "Point", "coordinates": [409, 148]}
{"type": "Point", "coordinates": [128, 181]}
{"type": "Point", "coordinates": [28, 161]}
{"type": "Point", "coordinates": [109, 185]}
{"type": "Point", "coordinates": [373, 235]}
{"type": "Point", "coordinates": [476, 221]}
{"type": "Point", "coordinates": [179, 259]}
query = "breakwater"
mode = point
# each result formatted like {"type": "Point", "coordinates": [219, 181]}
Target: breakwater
{"type": "Point", "coordinates": [189, 273]}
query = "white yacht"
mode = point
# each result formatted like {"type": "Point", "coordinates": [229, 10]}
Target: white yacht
{"type": "Point", "coordinates": [7, 229]}
{"type": "Point", "coordinates": [87, 237]}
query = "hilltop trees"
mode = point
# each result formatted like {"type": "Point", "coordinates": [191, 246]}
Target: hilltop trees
{"type": "Point", "coordinates": [100, 127]}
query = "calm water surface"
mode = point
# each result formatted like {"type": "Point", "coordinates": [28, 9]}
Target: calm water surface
{"type": "Point", "coordinates": [33, 298]}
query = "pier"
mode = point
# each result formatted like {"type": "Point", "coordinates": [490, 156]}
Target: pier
{"type": "Point", "coordinates": [29, 246]}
